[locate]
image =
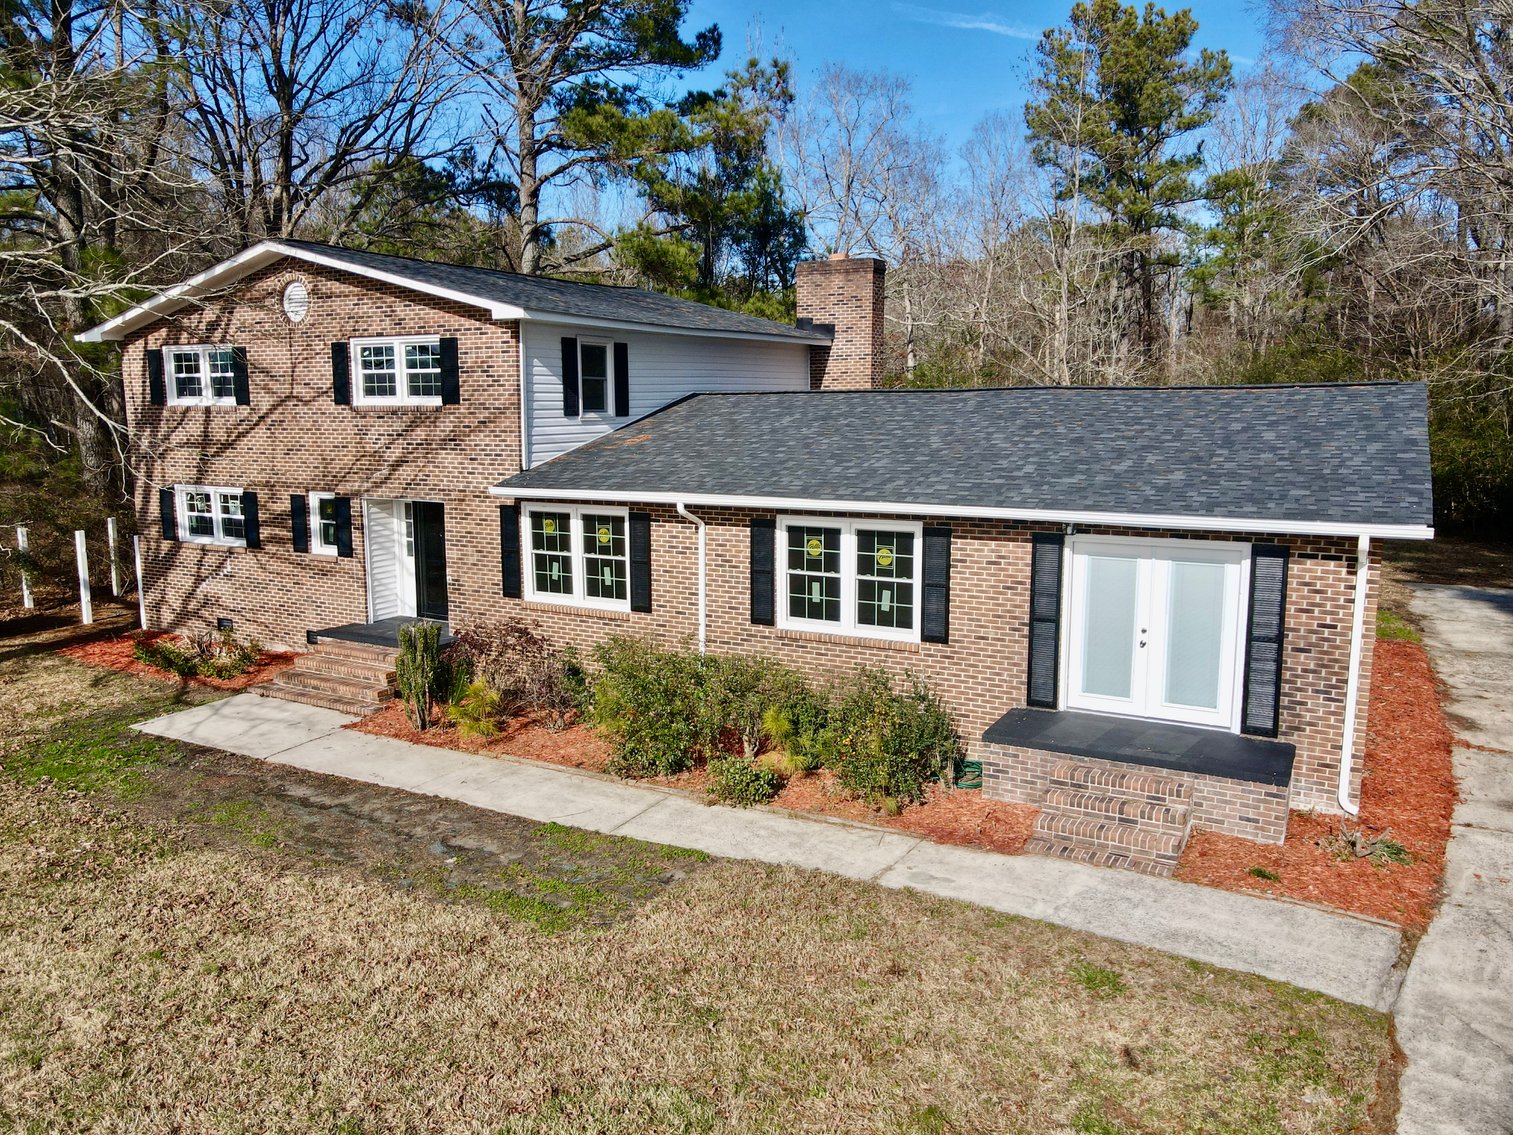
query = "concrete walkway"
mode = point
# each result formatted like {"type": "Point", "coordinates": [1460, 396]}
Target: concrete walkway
{"type": "Point", "coordinates": [1344, 957]}
{"type": "Point", "coordinates": [1455, 1015]}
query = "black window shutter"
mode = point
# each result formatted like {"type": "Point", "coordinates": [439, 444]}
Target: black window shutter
{"type": "Point", "coordinates": [509, 549]}
{"type": "Point", "coordinates": [640, 561]}
{"type": "Point", "coordinates": [299, 521]}
{"type": "Point", "coordinates": [451, 384]}
{"type": "Point", "coordinates": [157, 388]}
{"type": "Point", "coordinates": [764, 535]}
{"type": "Point", "coordinates": [240, 385]}
{"type": "Point", "coordinates": [622, 380]}
{"type": "Point", "coordinates": [1263, 641]}
{"type": "Point", "coordinates": [166, 511]}
{"type": "Point", "coordinates": [935, 624]}
{"type": "Point", "coordinates": [343, 507]}
{"type": "Point", "coordinates": [252, 529]}
{"type": "Point", "coordinates": [341, 374]}
{"type": "Point", "coordinates": [569, 377]}
{"type": "Point", "coordinates": [1045, 618]}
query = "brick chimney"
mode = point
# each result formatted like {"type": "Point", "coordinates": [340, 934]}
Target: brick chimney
{"type": "Point", "coordinates": [847, 295]}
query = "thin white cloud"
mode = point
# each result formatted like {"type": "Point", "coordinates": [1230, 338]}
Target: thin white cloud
{"type": "Point", "coordinates": [963, 20]}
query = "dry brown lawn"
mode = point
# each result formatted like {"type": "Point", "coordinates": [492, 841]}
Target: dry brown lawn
{"type": "Point", "coordinates": [151, 982]}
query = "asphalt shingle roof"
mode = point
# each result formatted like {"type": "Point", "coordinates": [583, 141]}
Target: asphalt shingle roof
{"type": "Point", "coordinates": [561, 297]}
{"type": "Point", "coordinates": [1349, 454]}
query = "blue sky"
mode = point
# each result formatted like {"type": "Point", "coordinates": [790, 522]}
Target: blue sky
{"type": "Point", "coordinates": [964, 59]}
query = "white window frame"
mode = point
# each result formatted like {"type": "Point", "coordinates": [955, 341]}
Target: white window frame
{"type": "Point", "coordinates": [317, 545]}
{"type": "Point", "coordinates": [202, 353]}
{"type": "Point", "coordinates": [578, 552]}
{"type": "Point", "coordinates": [1144, 703]}
{"type": "Point", "coordinates": [402, 396]}
{"type": "Point", "coordinates": [608, 412]}
{"type": "Point", "coordinates": [847, 626]}
{"type": "Point", "coordinates": [181, 515]}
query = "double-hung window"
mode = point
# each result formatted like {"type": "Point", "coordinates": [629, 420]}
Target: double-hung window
{"type": "Point", "coordinates": [850, 577]}
{"type": "Point", "coordinates": [595, 375]}
{"type": "Point", "coordinates": [397, 372]}
{"type": "Point", "coordinates": [578, 556]}
{"type": "Point", "coordinates": [210, 515]}
{"type": "Point", "coordinates": [200, 376]}
{"type": "Point", "coordinates": [323, 524]}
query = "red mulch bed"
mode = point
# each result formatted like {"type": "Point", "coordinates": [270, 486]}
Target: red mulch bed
{"type": "Point", "coordinates": [1408, 787]}
{"type": "Point", "coordinates": [960, 817]}
{"type": "Point", "coordinates": [116, 654]}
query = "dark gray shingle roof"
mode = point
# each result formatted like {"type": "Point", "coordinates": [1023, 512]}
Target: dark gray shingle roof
{"type": "Point", "coordinates": [560, 297]}
{"type": "Point", "coordinates": [1355, 454]}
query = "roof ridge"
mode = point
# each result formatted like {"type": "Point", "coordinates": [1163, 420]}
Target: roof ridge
{"type": "Point", "coordinates": [1214, 386]}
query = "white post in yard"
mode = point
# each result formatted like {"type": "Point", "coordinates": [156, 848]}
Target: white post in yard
{"type": "Point", "coordinates": [81, 554]}
{"type": "Point", "coordinates": [136, 551]}
{"type": "Point", "coordinates": [115, 563]}
{"type": "Point", "coordinates": [26, 580]}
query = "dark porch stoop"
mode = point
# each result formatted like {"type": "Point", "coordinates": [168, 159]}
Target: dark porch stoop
{"type": "Point", "coordinates": [350, 677]}
{"type": "Point", "coordinates": [1110, 817]}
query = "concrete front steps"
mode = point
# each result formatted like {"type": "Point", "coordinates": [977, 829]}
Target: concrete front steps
{"type": "Point", "coordinates": [1111, 817]}
{"type": "Point", "coordinates": [350, 677]}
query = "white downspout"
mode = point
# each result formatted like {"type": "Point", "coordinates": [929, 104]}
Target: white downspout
{"type": "Point", "coordinates": [1353, 684]}
{"type": "Point", "coordinates": [703, 582]}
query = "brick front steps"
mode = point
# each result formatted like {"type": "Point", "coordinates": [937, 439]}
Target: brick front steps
{"type": "Point", "coordinates": [1113, 818]}
{"type": "Point", "coordinates": [350, 677]}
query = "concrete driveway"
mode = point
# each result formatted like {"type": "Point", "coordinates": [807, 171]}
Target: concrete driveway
{"type": "Point", "coordinates": [1455, 1013]}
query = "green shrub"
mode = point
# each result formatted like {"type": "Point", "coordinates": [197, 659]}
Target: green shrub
{"type": "Point", "coordinates": [419, 671]}
{"type": "Point", "coordinates": [211, 654]}
{"type": "Point", "coordinates": [743, 691]}
{"type": "Point", "coordinates": [653, 705]}
{"type": "Point", "coordinates": [797, 729]}
{"type": "Point", "coordinates": [740, 780]}
{"type": "Point", "coordinates": [478, 712]}
{"type": "Point", "coordinates": [885, 746]}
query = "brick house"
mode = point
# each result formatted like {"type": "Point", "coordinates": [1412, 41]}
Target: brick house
{"type": "Point", "coordinates": [1145, 607]}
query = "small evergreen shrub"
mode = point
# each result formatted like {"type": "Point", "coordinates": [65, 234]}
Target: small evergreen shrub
{"type": "Point", "coordinates": [741, 781]}
{"type": "Point", "coordinates": [885, 747]}
{"type": "Point", "coordinates": [478, 712]}
{"type": "Point", "coordinates": [744, 691]}
{"type": "Point", "coordinates": [419, 671]}
{"type": "Point", "coordinates": [796, 731]}
{"type": "Point", "coordinates": [211, 654]}
{"type": "Point", "coordinates": [653, 706]}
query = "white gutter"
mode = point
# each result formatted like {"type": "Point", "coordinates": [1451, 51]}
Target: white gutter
{"type": "Point", "coordinates": [703, 575]}
{"type": "Point", "coordinates": [1353, 682]}
{"type": "Point", "coordinates": [1043, 516]}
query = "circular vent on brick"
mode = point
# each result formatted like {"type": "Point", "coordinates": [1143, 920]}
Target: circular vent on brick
{"type": "Point", "coordinates": [296, 301]}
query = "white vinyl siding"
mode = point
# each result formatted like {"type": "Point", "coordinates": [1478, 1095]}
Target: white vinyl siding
{"type": "Point", "coordinates": [663, 368]}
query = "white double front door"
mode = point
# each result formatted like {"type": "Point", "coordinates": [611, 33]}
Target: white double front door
{"type": "Point", "coordinates": [1154, 628]}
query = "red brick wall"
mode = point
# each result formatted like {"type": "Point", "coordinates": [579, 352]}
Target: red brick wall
{"type": "Point", "coordinates": [981, 672]}
{"type": "Point", "coordinates": [292, 438]}
{"type": "Point", "coordinates": [848, 294]}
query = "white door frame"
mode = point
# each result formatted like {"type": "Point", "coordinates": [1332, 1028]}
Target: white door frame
{"type": "Point", "coordinates": [1154, 558]}
{"type": "Point", "coordinates": [384, 532]}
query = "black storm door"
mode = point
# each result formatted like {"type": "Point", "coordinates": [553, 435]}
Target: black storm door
{"type": "Point", "coordinates": [430, 561]}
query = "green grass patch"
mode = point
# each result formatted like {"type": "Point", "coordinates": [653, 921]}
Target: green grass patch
{"type": "Point", "coordinates": [1096, 979]}
{"type": "Point", "coordinates": [250, 820]}
{"type": "Point", "coordinates": [1265, 873]}
{"type": "Point", "coordinates": [1392, 626]}
{"type": "Point", "coordinates": [91, 753]}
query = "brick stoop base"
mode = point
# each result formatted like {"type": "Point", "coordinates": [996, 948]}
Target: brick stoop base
{"type": "Point", "coordinates": [350, 677]}
{"type": "Point", "coordinates": [1113, 818]}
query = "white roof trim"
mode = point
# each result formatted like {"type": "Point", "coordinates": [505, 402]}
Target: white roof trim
{"type": "Point", "coordinates": [1050, 516]}
{"type": "Point", "coordinates": [555, 318]}
{"type": "Point", "coordinates": [250, 260]}
{"type": "Point", "coordinates": [260, 255]}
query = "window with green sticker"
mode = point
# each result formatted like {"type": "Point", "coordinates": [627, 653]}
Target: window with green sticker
{"type": "Point", "coordinates": [814, 579]}
{"type": "Point", "coordinates": [606, 563]}
{"type": "Point", "coordinates": [884, 578]}
{"type": "Point", "coordinates": [552, 552]}
{"type": "Point", "coordinates": [851, 577]}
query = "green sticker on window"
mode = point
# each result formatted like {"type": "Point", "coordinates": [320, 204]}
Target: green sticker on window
{"type": "Point", "coordinates": [885, 557]}
{"type": "Point", "coordinates": [815, 547]}
{"type": "Point", "coordinates": [604, 533]}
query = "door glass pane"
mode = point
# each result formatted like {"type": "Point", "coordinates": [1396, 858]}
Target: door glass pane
{"type": "Point", "coordinates": [1194, 634]}
{"type": "Point", "coordinates": [1108, 629]}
